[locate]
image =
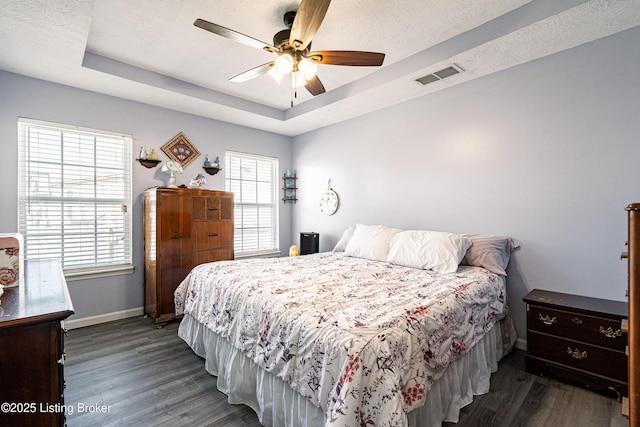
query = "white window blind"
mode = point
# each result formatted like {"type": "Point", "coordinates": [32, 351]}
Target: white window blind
{"type": "Point", "coordinates": [254, 182]}
{"type": "Point", "coordinates": [74, 196]}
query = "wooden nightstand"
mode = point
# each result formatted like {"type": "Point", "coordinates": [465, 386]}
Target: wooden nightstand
{"type": "Point", "coordinates": [577, 338]}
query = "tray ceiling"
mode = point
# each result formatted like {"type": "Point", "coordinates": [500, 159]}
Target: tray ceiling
{"type": "Point", "coordinates": [150, 51]}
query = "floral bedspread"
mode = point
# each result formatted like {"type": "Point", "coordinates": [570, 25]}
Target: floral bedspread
{"type": "Point", "coordinates": [363, 340]}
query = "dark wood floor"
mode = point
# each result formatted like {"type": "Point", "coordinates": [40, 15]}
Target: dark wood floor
{"type": "Point", "coordinates": [148, 376]}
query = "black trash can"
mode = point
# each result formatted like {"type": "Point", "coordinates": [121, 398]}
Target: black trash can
{"type": "Point", "coordinates": [309, 243]}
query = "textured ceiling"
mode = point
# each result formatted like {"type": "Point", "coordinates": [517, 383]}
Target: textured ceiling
{"type": "Point", "coordinates": [150, 51]}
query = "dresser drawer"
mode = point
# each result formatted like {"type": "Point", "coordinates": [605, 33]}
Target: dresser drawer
{"type": "Point", "coordinates": [581, 327]}
{"type": "Point", "coordinates": [578, 355]}
{"type": "Point", "coordinates": [212, 235]}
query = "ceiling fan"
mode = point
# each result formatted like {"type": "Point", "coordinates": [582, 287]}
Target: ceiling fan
{"type": "Point", "coordinates": [293, 45]}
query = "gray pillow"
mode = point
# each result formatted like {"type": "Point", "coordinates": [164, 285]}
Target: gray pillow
{"type": "Point", "coordinates": [490, 252]}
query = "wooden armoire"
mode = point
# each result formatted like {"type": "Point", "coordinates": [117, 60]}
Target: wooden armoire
{"type": "Point", "coordinates": [183, 227]}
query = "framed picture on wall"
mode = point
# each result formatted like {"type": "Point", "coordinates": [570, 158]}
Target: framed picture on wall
{"type": "Point", "coordinates": [181, 150]}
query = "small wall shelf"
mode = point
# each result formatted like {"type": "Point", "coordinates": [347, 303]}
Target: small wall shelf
{"type": "Point", "coordinates": [149, 163]}
{"type": "Point", "coordinates": [211, 170]}
{"type": "Point", "coordinates": [290, 189]}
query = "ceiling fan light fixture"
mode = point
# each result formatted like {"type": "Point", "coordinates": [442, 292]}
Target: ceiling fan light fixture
{"type": "Point", "coordinates": [284, 63]}
{"type": "Point", "coordinates": [293, 47]}
{"type": "Point", "coordinates": [275, 74]}
{"type": "Point", "coordinates": [308, 68]}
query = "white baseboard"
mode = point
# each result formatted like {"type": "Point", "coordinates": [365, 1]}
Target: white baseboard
{"type": "Point", "coordinates": [103, 318]}
{"type": "Point", "coordinates": [521, 344]}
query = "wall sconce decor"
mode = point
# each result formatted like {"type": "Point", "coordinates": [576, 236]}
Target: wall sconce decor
{"type": "Point", "coordinates": [290, 186]}
{"type": "Point", "coordinates": [212, 168]}
{"type": "Point", "coordinates": [148, 158]}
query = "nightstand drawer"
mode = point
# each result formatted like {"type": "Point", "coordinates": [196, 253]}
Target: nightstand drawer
{"type": "Point", "coordinates": [578, 355]}
{"type": "Point", "coordinates": [590, 329]}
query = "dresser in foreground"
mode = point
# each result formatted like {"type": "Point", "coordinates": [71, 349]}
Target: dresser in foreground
{"type": "Point", "coordinates": [577, 338]}
{"type": "Point", "coordinates": [32, 347]}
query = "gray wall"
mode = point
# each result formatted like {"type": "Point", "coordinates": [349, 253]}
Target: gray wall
{"type": "Point", "coordinates": [547, 152]}
{"type": "Point", "coordinates": [150, 126]}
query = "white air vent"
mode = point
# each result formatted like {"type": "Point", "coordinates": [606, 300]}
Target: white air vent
{"type": "Point", "coordinates": [439, 75]}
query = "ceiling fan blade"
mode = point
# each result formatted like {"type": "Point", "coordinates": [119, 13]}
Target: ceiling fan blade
{"type": "Point", "coordinates": [347, 57]}
{"type": "Point", "coordinates": [252, 73]}
{"type": "Point", "coordinates": [307, 22]}
{"type": "Point", "coordinates": [233, 35]}
{"type": "Point", "coordinates": [315, 86]}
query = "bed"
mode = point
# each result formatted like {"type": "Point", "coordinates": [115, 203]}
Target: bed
{"type": "Point", "coordinates": [389, 329]}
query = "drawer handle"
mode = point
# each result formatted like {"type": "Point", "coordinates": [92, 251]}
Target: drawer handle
{"type": "Point", "coordinates": [212, 234]}
{"type": "Point", "coordinates": [212, 209]}
{"type": "Point", "coordinates": [576, 320]}
{"type": "Point", "coordinates": [610, 333]}
{"type": "Point", "coordinates": [577, 354]}
{"type": "Point", "coordinates": [547, 320]}
{"type": "Point", "coordinates": [176, 236]}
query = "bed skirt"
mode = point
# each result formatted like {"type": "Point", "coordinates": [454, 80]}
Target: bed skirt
{"type": "Point", "coordinates": [277, 405]}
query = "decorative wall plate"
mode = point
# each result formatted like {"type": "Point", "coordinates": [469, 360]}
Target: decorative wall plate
{"type": "Point", "coordinates": [329, 202]}
{"type": "Point", "coordinates": [181, 150]}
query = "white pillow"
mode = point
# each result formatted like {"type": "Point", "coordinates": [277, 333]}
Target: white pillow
{"type": "Point", "coordinates": [370, 242]}
{"type": "Point", "coordinates": [346, 236]}
{"type": "Point", "coordinates": [429, 250]}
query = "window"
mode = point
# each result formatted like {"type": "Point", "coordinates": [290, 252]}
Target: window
{"type": "Point", "coordinates": [254, 182]}
{"type": "Point", "coordinates": [74, 197]}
